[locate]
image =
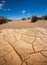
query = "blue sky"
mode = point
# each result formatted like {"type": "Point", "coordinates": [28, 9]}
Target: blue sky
{"type": "Point", "coordinates": [22, 8]}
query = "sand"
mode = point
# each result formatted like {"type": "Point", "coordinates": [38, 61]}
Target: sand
{"type": "Point", "coordinates": [23, 46]}
{"type": "Point", "coordinates": [19, 24]}
{"type": "Point", "coordinates": [23, 43]}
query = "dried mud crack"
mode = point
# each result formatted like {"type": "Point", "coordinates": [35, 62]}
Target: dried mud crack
{"type": "Point", "coordinates": [23, 46]}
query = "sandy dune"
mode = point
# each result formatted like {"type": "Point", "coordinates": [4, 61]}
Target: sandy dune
{"type": "Point", "coordinates": [24, 24]}
{"type": "Point", "coordinates": [23, 46]}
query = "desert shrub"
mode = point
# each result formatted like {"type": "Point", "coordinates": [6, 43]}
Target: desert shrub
{"type": "Point", "coordinates": [23, 18]}
{"type": "Point", "coordinates": [28, 17]}
{"type": "Point", "coordinates": [10, 20]}
{"type": "Point", "coordinates": [34, 18]}
{"type": "Point", "coordinates": [44, 17]}
{"type": "Point", "coordinates": [39, 18]}
{"type": "Point", "coordinates": [3, 19]}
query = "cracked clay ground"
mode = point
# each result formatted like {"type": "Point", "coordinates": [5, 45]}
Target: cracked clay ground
{"type": "Point", "coordinates": [23, 46]}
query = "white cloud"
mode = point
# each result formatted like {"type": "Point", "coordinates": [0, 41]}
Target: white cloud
{"type": "Point", "coordinates": [8, 9]}
{"type": "Point", "coordinates": [3, 1]}
{"type": "Point", "coordinates": [1, 5]}
{"type": "Point", "coordinates": [28, 14]}
{"type": "Point", "coordinates": [23, 11]}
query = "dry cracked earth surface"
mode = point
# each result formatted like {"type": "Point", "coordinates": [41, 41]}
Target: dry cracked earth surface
{"type": "Point", "coordinates": [23, 46]}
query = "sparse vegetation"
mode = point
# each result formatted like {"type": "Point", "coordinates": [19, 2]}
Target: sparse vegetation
{"type": "Point", "coordinates": [10, 20]}
{"type": "Point", "coordinates": [34, 18]}
{"type": "Point", "coordinates": [44, 17]}
{"type": "Point", "coordinates": [29, 18]}
{"type": "Point", "coordinates": [4, 20]}
{"type": "Point", "coordinates": [23, 18]}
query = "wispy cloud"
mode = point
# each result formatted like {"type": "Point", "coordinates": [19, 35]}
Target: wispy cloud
{"type": "Point", "coordinates": [1, 5]}
{"type": "Point", "coordinates": [23, 11]}
{"type": "Point", "coordinates": [3, 1]}
{"type": "Point", "coordinates": [8, 9]}
{"type": "Point", "coordinates": [28, 14]}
